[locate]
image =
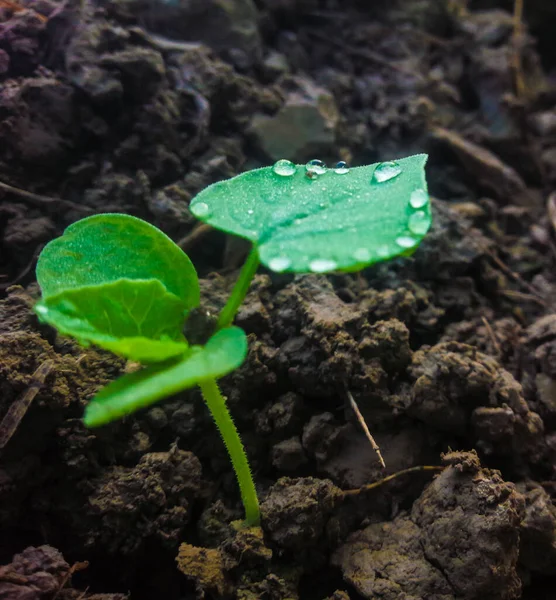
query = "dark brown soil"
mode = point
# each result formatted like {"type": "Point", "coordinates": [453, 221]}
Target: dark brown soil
{"type": "Point", "coordinates": [134, 106]}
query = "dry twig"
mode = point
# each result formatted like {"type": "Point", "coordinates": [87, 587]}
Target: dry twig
{"type": "Point", "coordinates": [492, 335]}
{"type": "Point", "coordinates": [197, 233]}
{"type": "Point", "coordinates": [365, 428]}
{"type": "Point", "coordinates": [78, 566]}
{"type": "Point", "coordinates": [372, 486]}
{"type": "Point", "coordinates": [44, 200]}
{"type": "Point", "coordinates": [515, 276]}
{"type": "Point", "coordinates": [519, 81]}
{"type": "Point", "coordinates": [19, 407]}
{"type": "Point", "coordinates": [15, 7]}
{"type": "Point", "coordinates": [23, 272]}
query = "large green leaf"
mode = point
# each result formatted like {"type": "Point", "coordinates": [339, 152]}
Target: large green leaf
{"type": "Point", "coordinates": [224, 352]}
{"type": "Point", "coordinates": [137, 319]}
{"type": "Point", "coordinates": [342, 219]}
{"type": "Point", "coordinates": [107, 247]}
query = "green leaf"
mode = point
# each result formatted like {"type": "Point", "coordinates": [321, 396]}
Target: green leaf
{"type": "Point", "coordinates": [224, 352]}
{"type": "Point", "coordinates": [333, 221]}
{"type": "Point", "coordinates": [107, 247]}
{"type": "Point", "coordinates": [140, 320]}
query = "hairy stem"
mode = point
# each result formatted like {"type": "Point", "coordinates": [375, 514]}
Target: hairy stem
{"type": "Point", "coordinates": [240, 289]}
{"type": "Point", "coordinates": [217, 406]}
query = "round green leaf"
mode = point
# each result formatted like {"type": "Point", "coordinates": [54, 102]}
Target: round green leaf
{"type": "Point", "coordinates": [342, 219]}
{"type": "Point", "coordinates": [224, 352]}
{"type": "Point", "coordinates": [107, 247]}
{"type": "Point", "coordinates": [139, 320]}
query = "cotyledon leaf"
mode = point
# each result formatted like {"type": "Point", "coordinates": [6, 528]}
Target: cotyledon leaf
{"type": "Point", "coordinates": [107, 247]}
{"type": "Point", "coordinates": [224, 352]}
{"type": "Point", "coordinates": [139, 320]}
{"type": "Point", "coordinates": [308, 218]}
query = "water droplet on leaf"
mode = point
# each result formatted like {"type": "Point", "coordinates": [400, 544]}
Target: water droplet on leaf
{"type": "Point", "coordinates": [321, 265]}
{"type": "Point", "coordinates": [362, 254]}
{"type": "Point", "coordinates": [341, 168]}
{"type": "Point", "coordinates": [314, 168]}
{"type": "Point", "coordinates": [201, 209]}
{"type": "Point", "coordinates": [250, 211]}
{"type": "Point", "coordinates": [405, 241]}
{"type": "Point", "coordinates": [386, 171]}
{"type": "Point", "coordinates": [418, 198]}
{"type": "Point", "coordinates": [42, 310]}
{"type": "Point", "coordinates": [279, 264]}
{"type": "Point", "coordinates": [419, 222]}
{"type": "Point", "coordinates": [284, 167]}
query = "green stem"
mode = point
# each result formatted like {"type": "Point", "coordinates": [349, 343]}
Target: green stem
{"type": "Point", "coordinates": [240, 289]}
{"type": "Point", "coordinates": [217, 406]}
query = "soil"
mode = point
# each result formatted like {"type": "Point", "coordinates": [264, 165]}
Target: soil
{"type": "Point", "coordinates": [134, 106]}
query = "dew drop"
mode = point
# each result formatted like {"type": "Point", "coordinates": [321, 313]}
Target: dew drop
{"type": "Point", "coordinates": [321, 265]}
{"type": "Point", "coordinates": [386, 171]}
{"type": "Point", "coordinates": [250, 211]}
{"type": "Point", "coordinates": [279, 264]}
{"type": "Point", "coordinates": [200, 209]}
{"type": "Point", "coordinates": [419, 222]}
{"type": "Point", "coordinates": [284, 167]}
{"type": "Point", "coordinates": [341, 168]}
{"type": "Point", "coordinates": [314, 168]}
{"type": "Point", "coordinates": [42, 310]}
{"type": "Point", "coordinates": [405, 241]}
{"type": "Point", "coordinates": [418, 198]}
{"type": "Point", "coordinates": [362, 254]}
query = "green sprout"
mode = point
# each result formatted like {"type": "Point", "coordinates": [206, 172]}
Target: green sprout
{"type": "Point", "coordinates": [115, 281]}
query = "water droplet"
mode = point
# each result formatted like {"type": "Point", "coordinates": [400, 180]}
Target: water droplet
{"type": "Point", "coordinates": [382, 251]}
{"type": "Point", "coordinates": [386, 171]}
{"type": "Point", "coordinates": [341, 168]}
{"type": "Point", "coordinates": [321, 265]}
{"type": "Point", "coordinates": [284, 167]}
{"type": "Point", "coordinates": [279, 264]}
{"type": "Point", "coordinates": [418, 198]}
{"type": "Point", "coordinates": [200, 209]}
{"type": "Point", "coordinates": [250, 211]}
{"type": "Point", "coordinates": [314, 168]}
{"type": "Point", "coordinates": [362, 254]}
{"type": "Point", "coordinates": [42, 310]}
{"type": "Point", "coordinates": [419, 222]}
{"type": "Point", "coordinates": [405, 241]}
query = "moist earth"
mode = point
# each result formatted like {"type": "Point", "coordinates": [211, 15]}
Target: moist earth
{"type": "Point", "coordinates": [450, 355]}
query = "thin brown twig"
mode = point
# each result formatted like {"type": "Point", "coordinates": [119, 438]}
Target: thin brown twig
{"type": "Point", "coordinates": [15, 7]}
{"type": "Point", "coordinates": [492, 335]}
{"type": "Point", "coordinates": [42, 200]}
{"type": "Point", "coordinates": [514, 294]}
{"type": "Point", "coordinates": [372, 486]}
{"type": "Point", "coordinates": [78, 566]}
{"type": "Point", "coordinates": [197, 233]}
{"type": "Point", "coordinates": [24, 271]}
{"type": "Point", "coordinates": [365, 53]}
{"type": "Point", "coordinates": [515, 276]}
{"type": "Point", "coordinates": [19, 407]}
{"type": "Point", "coordinates": [365, 428]}
{"type": "Point", "coordinates": [519, 81]}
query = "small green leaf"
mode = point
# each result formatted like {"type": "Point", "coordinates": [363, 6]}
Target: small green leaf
{"type": "Point", "coordinates": [308, 219]}
{"type": "Point", "coordinates": [107, 247]}
{"type": "Point", "coordinates": [140, 320]}
{"type": "Point", "coordinates": [224, 352]}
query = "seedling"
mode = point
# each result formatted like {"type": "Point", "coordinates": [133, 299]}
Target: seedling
{"type": "Point", "coordinates": [117, 282]}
